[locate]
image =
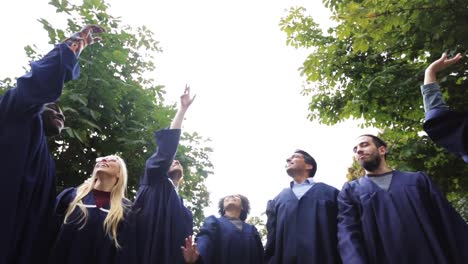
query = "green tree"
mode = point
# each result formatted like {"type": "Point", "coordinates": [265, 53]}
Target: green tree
{"type": "Point", "coordinates": [113, 109]}
{"type": "Point", "coordinates": [370, 64]}
{"type": "Point", "coordinates": [355, 171]}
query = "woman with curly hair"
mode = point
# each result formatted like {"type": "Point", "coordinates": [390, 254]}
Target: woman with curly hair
{"type": "Point", "coordinates": [226, 239]}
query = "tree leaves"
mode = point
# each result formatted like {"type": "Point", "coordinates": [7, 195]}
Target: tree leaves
{"type": "Point", "coordinates": [370, 64]}
{"type": "Point", "coordinates": [113, 109]}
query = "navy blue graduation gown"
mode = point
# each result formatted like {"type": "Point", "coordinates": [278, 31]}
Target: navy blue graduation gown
{"type": "Point", "coordinates": [77, 243]}
{"type": "Point", "coordinates": [412, 222]}
{"type": "Point", "coordinates": [27, 170]}
{"type": "Point", "coordinates": [303, 231]}
{"type": "Point", "coordinates": [220, 242]}
{"type": "Point", "coordinates": [449, 129]}
{"type": "Point", "coordinates": [161, 222]}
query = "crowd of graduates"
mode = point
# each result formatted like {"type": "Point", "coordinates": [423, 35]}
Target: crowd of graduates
{"type": "Point", "coordinates": [386, 216]}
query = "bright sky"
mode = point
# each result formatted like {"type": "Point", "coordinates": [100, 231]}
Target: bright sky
{"type": "Point", "coordinates": [235, 58]}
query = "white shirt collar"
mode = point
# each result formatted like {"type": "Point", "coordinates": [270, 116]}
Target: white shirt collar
{"type": "Point", "coordinates": [308, 181]}
{"type": "Point", "coordinates": [175, 186]}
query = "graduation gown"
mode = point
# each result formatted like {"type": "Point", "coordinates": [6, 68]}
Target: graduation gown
{"type": "Point", "coordinates": [79, 243]}
{"type": "Point", "coordinates": [27, 170]}
{"type": "Point", "coordinates": [412, 222]}
{"type": "Point", "coordinates": [161, 222]}
{"type": "Point", "coordinates": [303, 231]}
{"type": "Point", "coordinates": [449, 129]}
{"type": "Point", "coordinates": [220, 242]}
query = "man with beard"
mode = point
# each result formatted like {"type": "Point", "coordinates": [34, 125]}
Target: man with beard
{"type": "Point", "coordinates": [445, 127]}
{"type": "Point", "coordinates": [302, 221]}
{"type": "Point", "coordinates": [27, 116]}
{"type": "Point", "coordinates": [391, 216]}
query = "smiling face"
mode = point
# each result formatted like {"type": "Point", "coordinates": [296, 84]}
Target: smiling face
{"type": "Point", "coordinates": [108, 165]}
{"type": "Point", "coordinates": [367, 154]}
{"type": "Point", "coordinates": [233, 205]}
{"type": "Point", "coordinates": [232, 201]}
{"type": "Point", "coordinates": [53, 119]}
{"type": "Point", "coordinates": [296, 163]}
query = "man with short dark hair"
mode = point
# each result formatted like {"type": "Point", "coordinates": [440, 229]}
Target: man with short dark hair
{"type": "Point", "coordinates": [27, 116]}
{"type": "Point", "coordinates": [391, 216]}
{"type": "Point", "coordinates": [302, 221]}
{"type": "Point", "coordinates": [447, 128]}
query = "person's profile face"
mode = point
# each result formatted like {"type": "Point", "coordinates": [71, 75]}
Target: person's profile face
{"type": "Point", "coordinates": [176, 166]}
{"type": "Point", "coordinates": [367, 154]}
{"type": "Point", "coordinates": [296, 162]}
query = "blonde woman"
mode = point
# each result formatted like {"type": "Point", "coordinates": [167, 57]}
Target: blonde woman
{"type": "Point", "coordinates": [92, 215]}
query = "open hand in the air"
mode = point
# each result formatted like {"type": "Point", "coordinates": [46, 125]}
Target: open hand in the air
{"type": "Point", "coordinates": [87, 36]}
{"type": "Point", "coordinates": [190, 251]}
{"type": "Point", "coordinates": [439, 65]}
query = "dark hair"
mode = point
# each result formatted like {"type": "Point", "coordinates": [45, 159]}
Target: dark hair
{"type": "Point", "coordinates": [377, 141]}
{"type": "Point", "coordinates": [309, 160]}
{"type": "Point", "coordinates": [245, 206]}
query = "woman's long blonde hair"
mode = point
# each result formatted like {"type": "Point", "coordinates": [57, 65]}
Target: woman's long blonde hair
{"type": "Point", "coordinates": [117, 206]}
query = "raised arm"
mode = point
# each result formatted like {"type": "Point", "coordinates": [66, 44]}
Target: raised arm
{"type": "Point", "coordinates": [185, 101]}
{"type": "Point", "coordinates": [430, 90]}
{"type": "Point", "coordinates": [350, 239]}
{"type": "Point", "coordinates": [446, 128]}
{"type": "Point", "coordinates": [44, 83]}
{"type": "Point", "coordinates": [167, 140]}
{"type": "Point", "coordinates": [430, 75]}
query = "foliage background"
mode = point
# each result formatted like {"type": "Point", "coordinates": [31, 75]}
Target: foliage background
{"type": "Point", "coordinates": [114, 109]}
{"type": "Point", "coordinates": [369, 67]}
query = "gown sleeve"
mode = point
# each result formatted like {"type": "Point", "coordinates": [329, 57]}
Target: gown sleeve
{"type": "Point", "coordinates": [63, 201]}
{"type": "Point", "coordinates": [43, 84]}
{"type": "Point", "coordinates": [350, 238]}
{"type": "Point", "coordinates": [259, 245]}
{"type": "Point", "coordinates": [207, 239]}
{"type": "Point", "coordinates": [271, 229]}
{"type": "Point", "coordinates": [450, 224]}
{"type": "Point", "coordinates": [158, 164]}
{"type": "Point", "coordinates": [445, 127]}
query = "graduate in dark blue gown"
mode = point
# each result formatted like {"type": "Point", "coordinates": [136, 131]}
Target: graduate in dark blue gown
{"type": "Point", "coordinates": [445, 127]}
{"type": "Point", "coordinates": [160, 220]}
{"type": "Point", "coordinates": [226, 239]}
{"type": "Point", "coordinates": [27, 116]}
{"type": "Point", "coordinates": [391, 216]}
{"type": "Point", "coordinates": [89, 218]}
{"type": "Point", "coordinates": [302, 221]}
